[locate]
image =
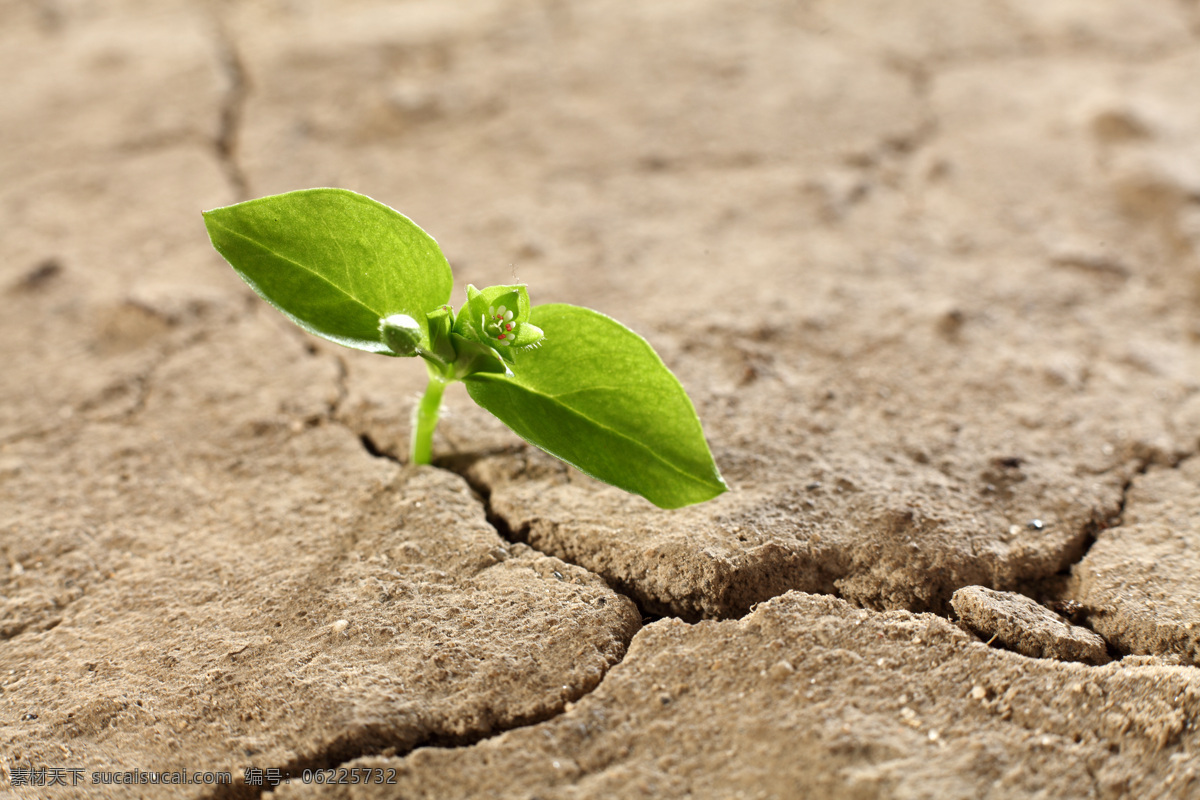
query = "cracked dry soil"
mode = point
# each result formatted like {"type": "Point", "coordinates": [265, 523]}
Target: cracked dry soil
{"type": "Point", "coordinates": [929, 271]}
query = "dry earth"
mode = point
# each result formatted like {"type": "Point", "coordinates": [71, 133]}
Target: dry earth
{"type": "Point", "coordinates": [930, 272]}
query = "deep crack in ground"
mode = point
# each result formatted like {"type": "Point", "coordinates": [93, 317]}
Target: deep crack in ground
{"type": "Point", "coordinates": [379, 743]}
{"type": "Point", "coordinates": [383, 742]}
{"type": "Point", "coordinates": [1048, 590]}
{"type": "Point", "coordinates": [1053, 592]}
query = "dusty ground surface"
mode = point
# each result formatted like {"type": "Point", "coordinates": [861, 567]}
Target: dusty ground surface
{"type": "Point", "coordinates": [930, 272]}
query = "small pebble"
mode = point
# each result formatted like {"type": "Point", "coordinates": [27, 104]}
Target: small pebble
{"type": "Point", "coordinates": [780, 670]}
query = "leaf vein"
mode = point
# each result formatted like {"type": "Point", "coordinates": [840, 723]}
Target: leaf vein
{"type": "Point", "coordinates": [299, 266]}
{"type": "Point", "coordinates": [554, 399]}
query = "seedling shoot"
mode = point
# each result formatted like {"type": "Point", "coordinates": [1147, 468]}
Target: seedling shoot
{"type": "Point", "coordinates": [567, 379]}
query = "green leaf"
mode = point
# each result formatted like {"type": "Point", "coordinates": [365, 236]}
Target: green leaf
{"type": "Point", "coordinates": [596, 395]}
{"type": "Point", "coordinates": [333, 261]}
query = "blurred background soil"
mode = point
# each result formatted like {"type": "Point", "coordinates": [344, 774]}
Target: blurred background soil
{"type": "Point", "coordinates": [929, 271]}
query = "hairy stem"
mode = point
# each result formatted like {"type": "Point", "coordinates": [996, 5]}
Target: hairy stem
{"type": "Point", "coordinates": [426, 419]}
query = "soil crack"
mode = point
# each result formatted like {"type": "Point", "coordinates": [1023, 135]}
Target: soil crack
{"type": "Point", "coordinates": [391, 743]}
{"type": "Point", "coordinates": [1049, 591]}
{"type": "Point", "coordinates": [232, 108]}
{"type": "Point", "coordinates": [368, 743]}
{"type": "Point", "coordinates": [460, 464]}
{"type": "Point", "coordinates": [1053, 591]}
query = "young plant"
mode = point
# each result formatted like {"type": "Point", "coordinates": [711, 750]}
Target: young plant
{"type": "Point", "coordinates": [569, 380]}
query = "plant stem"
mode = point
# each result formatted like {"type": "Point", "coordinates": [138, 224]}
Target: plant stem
{"type": "Point", "coordinates": [426, 419]}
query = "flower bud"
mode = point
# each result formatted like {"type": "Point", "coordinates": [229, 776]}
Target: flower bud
{"type": "Point", "coordinates": [401, 333]}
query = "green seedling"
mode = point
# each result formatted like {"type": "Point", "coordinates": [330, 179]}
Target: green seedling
{"type": "Point", "coordinates": [572, 381]}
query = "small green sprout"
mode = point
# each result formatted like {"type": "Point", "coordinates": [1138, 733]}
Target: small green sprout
{"type": "Point", "coordinates": [575, 383]}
